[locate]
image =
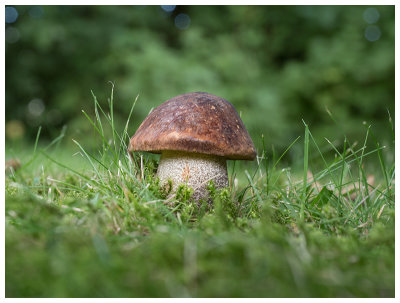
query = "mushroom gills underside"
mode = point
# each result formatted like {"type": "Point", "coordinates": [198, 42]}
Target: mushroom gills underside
{"type": "Point", "coordinates": [194, 170]}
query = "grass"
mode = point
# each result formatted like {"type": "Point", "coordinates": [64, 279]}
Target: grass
{"type": "Point", "coordinates": [101, 226]}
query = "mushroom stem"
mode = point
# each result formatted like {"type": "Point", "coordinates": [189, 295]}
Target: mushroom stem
{"type": "Point", "coordinates": [193, 169]}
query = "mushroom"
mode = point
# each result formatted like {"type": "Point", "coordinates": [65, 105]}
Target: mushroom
{"type": "Point", "coordinates": [196, 133]}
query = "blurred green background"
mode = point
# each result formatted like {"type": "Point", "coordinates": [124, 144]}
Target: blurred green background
{"type": "Point", "coordinates": [276, 64]}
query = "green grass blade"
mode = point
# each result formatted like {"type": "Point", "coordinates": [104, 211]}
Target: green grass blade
{"type": "Point", "coordinates": [305, 170]}
{"type": "Point", "coordinates": [111, 104]}
{"type": "Point", "coordinates": [284, 153]}
{"type": "Point", "coordinates": [37, 139]}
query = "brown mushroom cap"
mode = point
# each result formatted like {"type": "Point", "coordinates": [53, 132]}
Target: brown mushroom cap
{"type": "Point", "coordinates": [195, 122]}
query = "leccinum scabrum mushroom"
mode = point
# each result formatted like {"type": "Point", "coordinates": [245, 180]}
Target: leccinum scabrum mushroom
{"type": "Point", "coordinates": [195, 133]}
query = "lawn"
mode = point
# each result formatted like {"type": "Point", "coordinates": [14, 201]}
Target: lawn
{"type": "Point", "coordinates": [87, 222]}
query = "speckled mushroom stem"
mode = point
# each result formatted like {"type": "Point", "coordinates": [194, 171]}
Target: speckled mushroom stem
{"type": "Point", "coordinates": [194, 170]}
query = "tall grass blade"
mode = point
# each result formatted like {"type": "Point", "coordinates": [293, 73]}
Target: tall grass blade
{"type": "Point", "coordinates": [125, 132]}
{"type": "Point", "coordinates": [266, 163]}
{"type": "Point", "coordinates": [112, 115]}
{"type": "Point", "coordinates": [37, 139]}
{"type": "Point", "coordinates": [305, 170]}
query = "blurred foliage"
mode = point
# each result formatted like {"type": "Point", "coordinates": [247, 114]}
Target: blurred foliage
{"type": "Point", "coordinates": [276, 64]}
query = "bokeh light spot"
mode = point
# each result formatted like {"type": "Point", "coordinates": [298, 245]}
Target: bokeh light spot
{"type": "Point", "coordinates": [11, 14]}
{"type": "Point", "coordinates": [168, 8]}
{"type": "Point", "coordinates": [36, 12]}
{"type": "Point", "coordinates": [182, 21]}
{"type": "Point", "coordinates": [371, 15]}
{"type": "Point", "coordinates": [372, 33]}
{"type": "Point", "coordinates": [15, 129]}
{"type": "Point", "coordinates": [36, 107]}
{"type": "Point", "coordinates": [12, 34]}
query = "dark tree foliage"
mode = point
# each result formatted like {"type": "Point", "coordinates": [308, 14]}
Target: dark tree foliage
{"type": "Point", "coordinates": [276, 64]}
